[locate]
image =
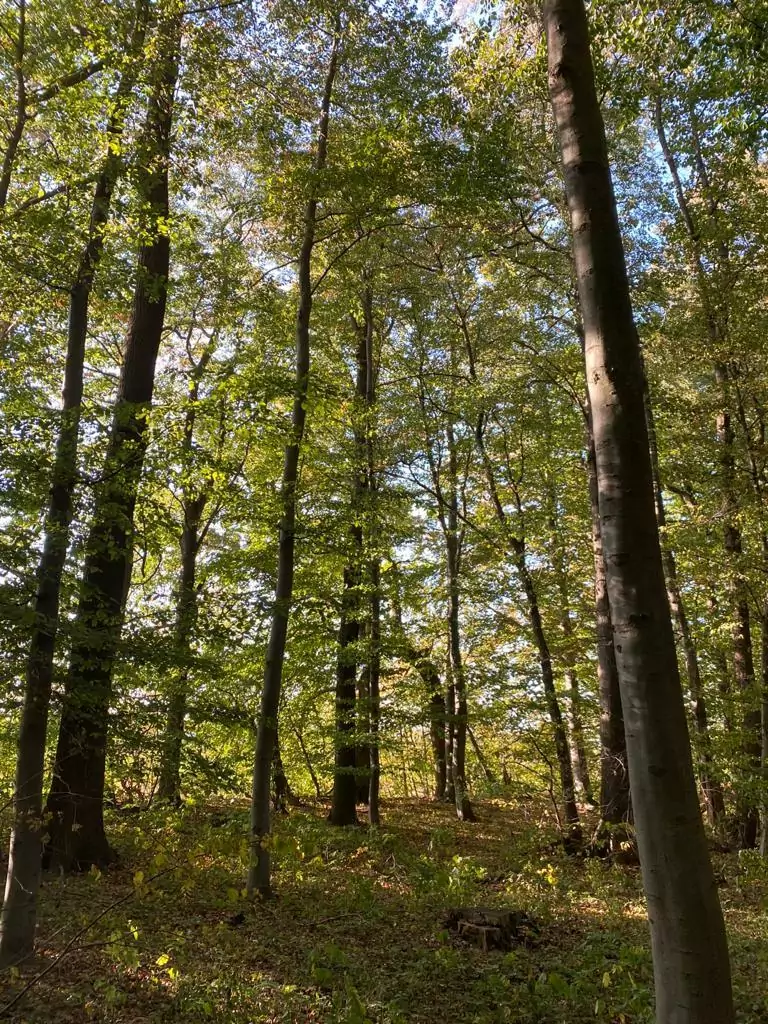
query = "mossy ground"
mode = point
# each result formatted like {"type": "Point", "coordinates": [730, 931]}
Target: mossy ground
{"type": "Point", "coordinates": [355, 933]}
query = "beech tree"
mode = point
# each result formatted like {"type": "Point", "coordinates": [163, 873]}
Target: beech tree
{"type": "Point", "coordinates": [690, 952]}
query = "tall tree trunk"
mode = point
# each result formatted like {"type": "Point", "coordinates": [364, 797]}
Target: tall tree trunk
{"type": "Point", "coordinates": [343, 809]}
{"type": "Point", "coordinates": [691, 966]}
{"type": "Point", "coordinates": [259, 870]}
{"type": "Point", "coordinates": [281, 790]}
{"type": "Point", "coordinates": [374, 691]}
{"type": "Point", "coordinates": [75, 803]}
{"type": "Point", "coordinates": [18, 919]}
{"type": "Point", "coordinates": [193, 504]}
{"type": "Point", "coordinates": [614, 774]}
{"type": "Point", "coordinates": [710, 786]}
{"type": "Point", "coordinates": [579, 764]}
{"type": "Point", "coordinates": [565, 769]}
{"type": "Point", "coordinates": [518, 552]}
{"type": "Point", "coordinates": [450, 732]}
{"type": "Point", "coordinates": [169, 786]}
{"type": "Point", "coordinates": [437, 716]}
{"type": "Point", "coordinates": [374, 561]}
{"type": "Point", "coordinates": [453, 541]}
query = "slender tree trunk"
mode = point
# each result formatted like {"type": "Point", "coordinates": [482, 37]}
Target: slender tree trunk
{"type": "Point", "coordinates": [281, 790]}
{"type": "Point", "coordinates": [437, 717]}
{"type": "Point", "coordinates": [691, 966]}
{"type": "Point", "coordinates": [764, 735]}
{"type": "Point", "coordinates": [75, 803]}
{"type": "Point", "coordinates": [565, 769]}
{"type": "Point", "coordinates": [453, 541]}
{"type": "Point", "coordinates": [614, 774]}
{"type": "Point", "coordinates": [374, 692]}
{"type": "Point", "coordinates": [193, 505]}
{"type": "Point", "coordinates": [481, 759]}
{"type": "Point", "coordinates": [578, 749]}
{"type": "Point", "coordinates": [259, 870]}
{"type": "Point", "coordinates": [517, 546]}
{"type": "Point", "coordinates": [17, 924]}
{"type": "Point", "coordinates": [343, 805]}
{"type": "Point", "coordinates": [710, 786]}
{"type": "Point", "coordinates": [169, 787]}
{"type": "Point", "coordinates": [308, 762]}
{"type": "Point", "coordinates": [450, 733]}
{"type": "Point", "coordinates": [578, 753]}
{"type": "Point", "coordinates": [374, 561]}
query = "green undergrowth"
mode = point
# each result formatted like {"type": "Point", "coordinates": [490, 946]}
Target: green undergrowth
{"type": "Point", "coordinates": [355, 933]}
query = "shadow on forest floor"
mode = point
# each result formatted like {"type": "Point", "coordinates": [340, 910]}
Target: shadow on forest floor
{"type": "Point", "coordinates": [356, 933]}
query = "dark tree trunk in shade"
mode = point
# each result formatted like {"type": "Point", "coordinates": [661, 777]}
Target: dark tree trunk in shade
{"type": "Point", "coordinates": [363, 727]}
{"type": "Point", "coordinates": [710, 785]}
{"type": "Point", "coordinates": [374, 691]}
{"type": "Point", "coordinates": [343, 805]}
{"type": "Point", "coordinates": [259, 869]}
{"type": "Point", "coordinates": [435, 693]}
{"type": "Point", "coordinates": [75, 803]}
{"type": "Point", "coordinates": [614, 773]}
{"type": "Point", "coordinates": [690, 953]}
{"type": "Point", "coordinates": [18, 920]}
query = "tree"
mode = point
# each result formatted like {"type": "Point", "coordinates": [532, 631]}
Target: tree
{"type": "Point", "coordinates": [259, 871]}
{"type": "Point", "coordinates": [75, 803]}
{"type": "Point", "coordinates": [691, 967]}
{"type": "Point", "coordinates": [17, 925]}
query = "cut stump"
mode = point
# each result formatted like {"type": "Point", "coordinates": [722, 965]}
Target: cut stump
{"type": "Point", "coordinates": [491, 928]}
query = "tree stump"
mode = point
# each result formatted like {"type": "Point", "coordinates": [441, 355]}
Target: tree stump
{"type": "Point", "coordinates": [491, 928]}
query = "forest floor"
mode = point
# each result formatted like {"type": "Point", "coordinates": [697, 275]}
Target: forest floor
{"type": "Point", "coordinates": [356, 933]}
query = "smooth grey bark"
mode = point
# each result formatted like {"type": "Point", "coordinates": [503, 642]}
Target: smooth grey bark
{"type": "Point", "coordinates": [259, 869]}
{"type": "Point", "coordinates": [710, 785]}
{"type": "Point", "coordinates": [76, 799]}
{"type": "Point", "coordinates": [690, 953]}
{"type": "Point", "coordinates": [614, 774]}
{"type": "Point", "coordinates": [374, 562]}
{"type": "Point", "coordinates": [453, 543]}
{"type": "Point", "coordinates": [18, 919]}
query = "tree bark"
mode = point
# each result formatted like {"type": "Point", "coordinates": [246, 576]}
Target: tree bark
{"type": "Point", "coordinates": [75, 803]}
{"type": "Point", "coordinates": [344, 800]}
{"type": "Point", "coordinates": [461, 716]}
{"type": "Point", "coordinates": [614, 773]}
{"type": "Point", "coordinates": [17, 923]}
{"type": "Point", "coordinates": [437, 716]}
{"type": "Point", "coordinates": [259, 870]}
{"type": "Point", "coordinates": [691, 966]}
